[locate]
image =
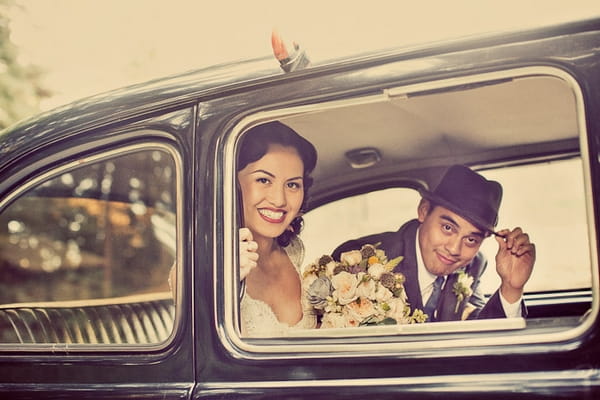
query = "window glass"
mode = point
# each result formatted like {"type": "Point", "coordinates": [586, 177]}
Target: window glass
{"type": "Point", "coordinates": [88, 248]}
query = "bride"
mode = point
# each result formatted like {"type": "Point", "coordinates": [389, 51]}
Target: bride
{"type": "Point", "coordinates": [274, 164]}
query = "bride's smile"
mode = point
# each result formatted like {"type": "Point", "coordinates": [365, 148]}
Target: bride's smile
{"type": "Point", "coordinates": [274, 216]}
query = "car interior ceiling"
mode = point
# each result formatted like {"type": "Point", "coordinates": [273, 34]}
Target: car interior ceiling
{"type": "Point", "coordinates": [513, 119]}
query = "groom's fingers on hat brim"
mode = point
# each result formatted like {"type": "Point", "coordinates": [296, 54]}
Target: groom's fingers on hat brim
{"type": "Point", "coordinates": [520, 244]}
{"type": "Point", "coordinates": [501, 240]}
{"type": "Point", "coordinates": [503, 233]}
{"type": "Point", "coordinates": [513, 237]}
{"type": "Point", "coordinates": [516, 241]}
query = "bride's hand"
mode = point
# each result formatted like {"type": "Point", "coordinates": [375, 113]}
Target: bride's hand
{"type": "Point", "coordinates": [248, 254]}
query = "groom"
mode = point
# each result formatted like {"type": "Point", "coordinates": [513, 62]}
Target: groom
{"type": "Point", "coordinates": [442, 263]}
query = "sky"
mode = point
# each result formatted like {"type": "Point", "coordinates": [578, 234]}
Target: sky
{"type": "Point", "coordinates": [91, 46]}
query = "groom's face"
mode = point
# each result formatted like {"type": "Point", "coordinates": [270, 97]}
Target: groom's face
{"type": "Point", "coordinates": [447, 241]}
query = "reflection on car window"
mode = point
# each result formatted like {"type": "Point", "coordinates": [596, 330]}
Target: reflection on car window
{"type": "Point", "coordinates": [102, 231]}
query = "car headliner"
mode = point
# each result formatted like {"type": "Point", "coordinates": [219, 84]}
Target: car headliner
{"type": "Point", "coordinates": [515, 118]}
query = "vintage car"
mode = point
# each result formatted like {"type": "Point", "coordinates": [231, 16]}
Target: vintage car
{"type": "Point", "coordinates": [101, 198]}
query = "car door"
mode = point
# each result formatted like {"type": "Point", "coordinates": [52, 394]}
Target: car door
{"type": "Point", "coordinates": [428, 107]}
{"type": "Point", "coordinates": [95, 218]}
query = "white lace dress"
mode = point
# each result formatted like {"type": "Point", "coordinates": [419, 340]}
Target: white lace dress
{"type": "Point", "coordinates": [257, 317]}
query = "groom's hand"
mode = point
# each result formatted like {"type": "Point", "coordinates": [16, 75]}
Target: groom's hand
{"type": "Point", "coordinates": [514, 262]}
{"type": "Point", "coordinates": [248, 254]}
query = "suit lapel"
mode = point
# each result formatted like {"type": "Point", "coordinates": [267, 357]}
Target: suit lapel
{"type": "Point", "coordinates": [411, 285]}
{"type": "Point", "coordinates": [405, 246]}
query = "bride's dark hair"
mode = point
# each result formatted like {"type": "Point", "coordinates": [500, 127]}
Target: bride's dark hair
{"type": "Point", "coordinates": [255, 144]}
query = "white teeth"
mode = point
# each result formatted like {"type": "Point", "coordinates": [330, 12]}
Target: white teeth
{"type": "Point", "coordinates": [271, 214]}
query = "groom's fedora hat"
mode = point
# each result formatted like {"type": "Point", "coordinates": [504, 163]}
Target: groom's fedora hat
{"type": "Point", "coordinates": [468, 194]}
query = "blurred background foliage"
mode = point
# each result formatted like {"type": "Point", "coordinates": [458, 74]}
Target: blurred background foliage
{"type": "Point", "coordinates": [101, 230]}
{"type": "Point", "coordinates": [20, 84]}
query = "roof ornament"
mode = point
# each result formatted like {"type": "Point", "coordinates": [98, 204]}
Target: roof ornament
{"type": "Point", "coordinates": [289, 61]}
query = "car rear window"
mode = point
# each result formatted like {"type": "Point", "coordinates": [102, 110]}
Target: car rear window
{"type": "Point", "coordinates": [86, 252]}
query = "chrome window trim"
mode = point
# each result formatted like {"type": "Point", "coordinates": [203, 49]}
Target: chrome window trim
{"type": "Point", "coordinates": [488, 383]}
{"type": "Point", "coordinates": [281, 348]}
{"type": "Point", "coordinates": [147, 145]}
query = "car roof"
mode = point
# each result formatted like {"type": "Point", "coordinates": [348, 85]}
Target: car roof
{"type": "Point", "coordinates": [396, 127]}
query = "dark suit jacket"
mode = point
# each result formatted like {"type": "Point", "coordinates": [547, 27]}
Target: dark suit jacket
{"type": "Point", "coordinates": [403, 243]}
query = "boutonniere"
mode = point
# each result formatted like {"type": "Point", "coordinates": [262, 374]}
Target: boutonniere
{"type": "Point", "coordinates": [462, 288]}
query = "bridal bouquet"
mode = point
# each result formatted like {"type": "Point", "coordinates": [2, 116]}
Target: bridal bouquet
{"type": "Point", "coordinates": [359, 289]}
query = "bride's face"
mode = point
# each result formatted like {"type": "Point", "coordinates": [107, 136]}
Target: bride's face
{"type": "Point", "coordinates": [272, 191]}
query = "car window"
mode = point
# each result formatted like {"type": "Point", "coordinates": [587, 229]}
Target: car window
{"type": "Point", "coordinates": [86, 252]}
{"type": "Point", "coordinates": [523, 128]}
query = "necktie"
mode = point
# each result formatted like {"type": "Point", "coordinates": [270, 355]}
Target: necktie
{"type": "Point", "coordinates": [432, 303]}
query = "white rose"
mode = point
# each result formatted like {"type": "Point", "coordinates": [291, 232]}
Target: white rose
{"type": "Point", "coordinates": [396, 310]}
{"type": "Point", "coordinates": [365, 289]}
{"type": "Point", "coordinates": [351, 257]}
{"type": "Point", "coordinates": [351, 319]}
{"type": "Point", "coordinates": [334, 320]}
{"type": "Point", "coordinates": [359, 310]}
{"type": "Point", "coordinates": [345, 285]}
{"type": "Point", "coordinates": [376, 270]}
{"type": "Point", "coordinates": [382, 294]}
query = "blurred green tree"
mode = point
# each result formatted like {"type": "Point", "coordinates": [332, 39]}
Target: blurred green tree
{"type": "Point", "coordinates": [20, 86]}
